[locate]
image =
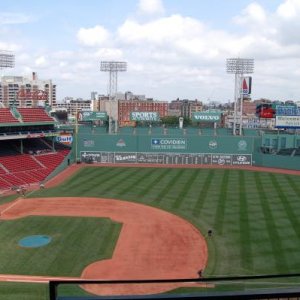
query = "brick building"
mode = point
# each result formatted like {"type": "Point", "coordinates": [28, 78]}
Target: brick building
{"type": "Point", "coordinates": [125, 107]}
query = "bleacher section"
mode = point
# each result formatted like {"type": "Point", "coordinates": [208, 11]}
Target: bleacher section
{"type": "Point", "coordinates": [24, 169]}
{"type": "Point", "coordinates": [51, 160]}
{"type": "Point", "coordinates": [28, 151]}
{"type": "Point", "coordinates": [6, 116]}
{"type": "Point", "coordinates": [34, 115]}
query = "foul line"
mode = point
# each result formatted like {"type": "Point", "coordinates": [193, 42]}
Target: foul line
{"type": "Point", "coordinates": [12, 205]}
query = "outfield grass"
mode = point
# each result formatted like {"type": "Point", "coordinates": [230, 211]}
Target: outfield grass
{"type": "Point", "coordinates": [254, 216]}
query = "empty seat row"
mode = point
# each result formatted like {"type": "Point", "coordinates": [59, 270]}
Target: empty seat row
{"type": "Point", "coordinates": [25, 169]}
{"type": "Point", "coordinates": [6, 116]}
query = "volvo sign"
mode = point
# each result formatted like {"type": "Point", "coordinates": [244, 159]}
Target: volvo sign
{"type": "Point", "coordinates": [207, 117]}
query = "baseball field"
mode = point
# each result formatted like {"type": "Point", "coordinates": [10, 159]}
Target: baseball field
{"type": "Point", "coordinates": [253, 216]}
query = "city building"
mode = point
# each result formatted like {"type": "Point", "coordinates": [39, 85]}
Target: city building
{"type": "Point", "coordinates": [127, 106]}
{"type": "Point", "coordinates": [73, 106]}
{"type": "Point", "coordinates": [26, 92]}
{"type": "Point", "coordinates": [186, 107]}
{"type": "Point", "coordinates": [249, 107]}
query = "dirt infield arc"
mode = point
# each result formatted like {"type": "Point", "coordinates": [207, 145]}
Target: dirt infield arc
{"type": "Point", "coordinates": [153, 244]}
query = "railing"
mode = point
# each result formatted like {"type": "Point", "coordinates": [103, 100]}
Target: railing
{"type": "Point", "coordinates": [280, 291]}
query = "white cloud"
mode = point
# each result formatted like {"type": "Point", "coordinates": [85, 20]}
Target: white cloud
{"type": "Point", "coordinates": [109, 54]}
{"type": "Point", "coordinates": [178, 56]}
{"type": "Point", "coordinates": [160, 31]}
{"type": "Point", "coordinates": [41, 61]}
{"type": "Point", "coordinates": [287, 19]}
{"type": "Point", "coordinates": [150, 7]}
{"type": "Point", "coordinates": [290, 9]}
{"type": "Point", "coordinates": [95, 36]}
{"type": "Point", "coordinates": [7, 18]}
{"type": "Point", "coordinates": [252, 14]}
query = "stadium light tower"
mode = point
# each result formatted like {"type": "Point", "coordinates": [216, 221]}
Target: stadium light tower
{"type": "Point", "coordinates": [113, 67]}
{"type": "Point", "coordinates": [239, 67]}
{"type": "Point", "coordinates": [7, 60]}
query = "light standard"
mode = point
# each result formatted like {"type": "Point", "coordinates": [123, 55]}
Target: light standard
{"type": "Point", "coordinates": [239, 67]}
{"type": "Point", "coordinates": [113, 67]}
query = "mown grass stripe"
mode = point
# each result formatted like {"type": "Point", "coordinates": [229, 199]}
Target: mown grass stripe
{"type": "Point", "coordinates": [245, 236]}
{"type": "Point", "coordinates": [169, 185]}
{"type": "Point", "coordinates": [295, 186]}
{"type": "Point", "coordinates": [89, 184]}
{"type": "Point", "coordinates": [219, 217]}
{"type": "Point", "coordinates": [274, 237]}
{"type": "Point", "coordinates": [119, 179]}
{"type": "Point", "coordinates": [292, 217]}
{"type": "Point", "coordinates": [153, 183]}
{"type": "Point", "coordinates": [182, 194]}
{"type": "Point", "coordinates": [86, 175]}
{"type": "Point", "coordinates": [203, 193]}
{"type": "Point", "coordinates": [137, 182]}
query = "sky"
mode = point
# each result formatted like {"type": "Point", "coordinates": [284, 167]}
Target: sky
{"type": "Point", "coordinates": [173, 48]}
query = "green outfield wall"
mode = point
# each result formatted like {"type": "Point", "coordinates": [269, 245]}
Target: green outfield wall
{"type": "Point", "coordinates": [190, 146]}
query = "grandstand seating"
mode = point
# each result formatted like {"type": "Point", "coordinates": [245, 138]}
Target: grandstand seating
{"type": "Point", "coordinates": [51, 160]}
{"type": "Point", "coordinates": [21, 162]}
{"type": "Point", "coordinates": [25, 169]}
{"type": "Point", "coordinates": [6, 116]}
{"type": "Point", "coordinates": [4, 184]}
{"type": "Point", "coordinates": [34, 115]}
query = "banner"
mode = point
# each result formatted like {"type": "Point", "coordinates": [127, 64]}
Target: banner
{"type": "Point", "coordinates": [166, 158]}
{"type": "Point", "coordinates": [65, 138]}
{"type": "Point", "coordinates": [287, 121]}
{"type": "Point", "coordinates": [168, 143]}
{"type": "Point", "coordinates": [144, 116]}
{"type": "Point", "coordinates": [88, 116]}
{"type": "Point", "coordinates": [289, 110]}
{"type": "Point", "coordinates": [246, 85]}
{"type": "Point", "coordinates": [208, 117]}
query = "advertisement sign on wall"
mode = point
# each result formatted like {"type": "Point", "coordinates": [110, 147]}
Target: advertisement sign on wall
{"type": "Point", "coordinates": [88, 116]}
{"type": "Point", "coordinates": [287, 122]}
{"type": "Point", "coordinates": [144, 116]}
{"type": "Point", "coordinates": [287, 110]}
{"type": "Point", "coordinates": [168, 144]}
{"type": "Point", "coordinates": [207, 117]}
{"type": "Point", "coordinates": [65, 138]}
{"type": "Point", "coordinates": [166, 158]}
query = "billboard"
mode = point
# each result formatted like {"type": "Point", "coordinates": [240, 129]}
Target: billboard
{"type": "Point", "coordinates": [166, 158]}
{"type": "Point", "coordinates": [144, 116]}
{"type": "Point", "coordinates": [208, 117]}
{"type": "Point", "coordinates": [288, 110]}
{"type": "Point", "coordinates": [88, 116]}
{"type": "Point", "coordinates": [65, 138]}
{"type": "Point", "coordinates": [168, 144]}
{"type": "Point", "coordinates": [287, 116]}
{"type": "Point", "coordinates": [246, 85]}
{"type": "Point", "coordinates": [287, 121]}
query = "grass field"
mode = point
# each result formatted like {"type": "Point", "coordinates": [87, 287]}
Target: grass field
{"type": "Point", "coordinates": [76, 243]}
{"type": "Point", "coordinates": [254, 216]}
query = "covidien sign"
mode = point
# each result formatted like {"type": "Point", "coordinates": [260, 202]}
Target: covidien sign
{"type": "Point", "coordinates": [169, 144]}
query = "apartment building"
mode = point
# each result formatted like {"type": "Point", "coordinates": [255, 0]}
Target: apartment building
{"type": "Point", "coordinates": [26, 92]}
